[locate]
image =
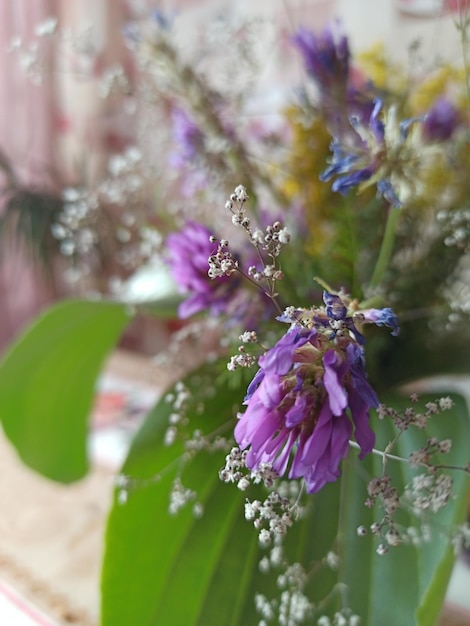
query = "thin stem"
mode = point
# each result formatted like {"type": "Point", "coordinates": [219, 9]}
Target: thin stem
{"type": "Point", "coordinates": [462, 27]}
{"type": "Point", "coordinates": [299, 496]}
{"type": "Point", "coordinates": [386, 248]}
{"type": "Point", "coordinates": [464, 469]}
{"type": "Point", "coordinates": [323, 284]}
{"type": "Point", "coordinates": [132, 482]}
{"type": "Point", "coordinates": [382, 453]}
{"type": "Point", "coordinates": [386, 453]}
{"type": "Point", "coordinates": [269, 294]}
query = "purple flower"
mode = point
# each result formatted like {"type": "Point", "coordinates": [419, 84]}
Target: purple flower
{"type": "Point", "coordinates": [187, 256]}
{"type": "Point", "coordinates": [309, 397]}
{"type": "Point", "coordinates": [386, 189]}
{"type": "Point", "coordinates": [381, 317]}
{"type": "Point", "coordinates": [337, 317]}
{"type": "Point", "coordinates": [188, 139]}
{"type": "Point", "coordinates": [189, 154]}
{"type": "Point", "coordinates": [325, 57]}
{"type": "Point", "coordinates": [362, 157]}
{"type": "Point", "coordinates": [353, 160]}
{"type": "Point", "coordinates": [441, 120]}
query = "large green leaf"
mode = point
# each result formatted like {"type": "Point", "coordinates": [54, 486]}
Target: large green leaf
{"type": "Point", "coordinates": [145, 545]}
{"type": "Point", "coordinates": [181, 570]}
{"type": "Point", "coordinates": [47, 383]}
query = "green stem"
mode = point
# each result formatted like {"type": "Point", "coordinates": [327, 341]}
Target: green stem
{"type": "Point", "coordinates": [386, 248]}
{"type": "Point", "coordinates": [463, 20]}
{"type": "Point", "coordinates": [323, 284]}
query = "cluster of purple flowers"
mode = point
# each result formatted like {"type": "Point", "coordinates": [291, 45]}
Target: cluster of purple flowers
{"type": "Point", "coordinates": [358, 147]}
{"type": "Point", "coordinates": [188, 252]}
{"type": "Point", "coordinates": [188, 255]}
{"type": "Point", "coordinates": [368, 145]}
{"type": "Point", "coordinates": [311, 395]}
{"type": "Point", "coordinates": [356, 161]}
{"type": "Point", "coordinates": [326, 60]}
{"type": "Point", "coordinates": [383, 151]}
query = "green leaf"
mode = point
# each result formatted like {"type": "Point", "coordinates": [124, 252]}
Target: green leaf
{"type": "Point", "coordinates": [162, 569]}
{"type": "Point", "coordinates": [47, 384]}
{"type": "Point", "coordinates": [149, 554]}
{"type": "Point", "coordinates": [180, 570]}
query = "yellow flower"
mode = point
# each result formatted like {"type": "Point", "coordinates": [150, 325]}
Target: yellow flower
{"type": "Point", "coordinates": [377, 67]}
{"type": "Point", "coordinates": [439, 83]}
{"type": "Point", "coordinates": [309, 150]}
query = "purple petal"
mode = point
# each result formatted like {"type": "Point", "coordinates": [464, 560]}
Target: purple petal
{"type": "Point", "coordinates": [194, 304]}
{"type": "Point", "coordinates": [280, 357]}
{"type": "Point", "coordinates": [339, 443]}
{"type": "Point", "coordinates": [318, 441]}
{"type": "Point", "coordinates": [269, 391]}
{"type": "Point", "coordinates": [355, 357]}
{"type": "Point", "coordinates": [256, 426]}
{"type": "Point", "coordinates": [363, 433]}
{"type": "Point", "coordinates": [282, 461]}
{"type": "Point", "coordinates": [297, 412]}
{"type": "Point", "coordinates": [336, 394]}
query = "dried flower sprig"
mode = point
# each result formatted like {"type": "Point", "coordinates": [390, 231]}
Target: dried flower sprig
{"type": "Point", "coordinates": [427, 493]}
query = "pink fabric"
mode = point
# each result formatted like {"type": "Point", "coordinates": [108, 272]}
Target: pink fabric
{"type": "Point", "coordinates": [88, 127]}
{"type": "Point", "coordinates": [56, 131]}
{"type": "Point", "coordinates": [25, 122]}
{"type": "Point", "coordinates": [25, 131]}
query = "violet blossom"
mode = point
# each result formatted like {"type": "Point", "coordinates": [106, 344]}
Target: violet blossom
{"type": "Point", "coordinates": [326, 58]}
{"type": "Point", "coordinates": [311, 396]}
{"type": "Point", "coordinates": [381, 317]}
{"type": "Point", "coordinates": [381, 151]}
{"type": "Point", "coordinates": [441, 120]}
{"type": "Point", "coordinates": [187, 137]}
{"type": "Point", "coordinates": [185, 156]}
{"type": "Point", "coordinates": [188, 252]}
{"type": "Point", "coordinates": [354, 157]}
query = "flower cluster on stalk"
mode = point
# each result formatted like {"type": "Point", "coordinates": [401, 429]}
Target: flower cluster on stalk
{"type": "Point", "coordinates": [310, 395]}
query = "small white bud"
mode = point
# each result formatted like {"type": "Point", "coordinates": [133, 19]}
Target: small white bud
{"type": "Point", "coordinates": [265, 537]}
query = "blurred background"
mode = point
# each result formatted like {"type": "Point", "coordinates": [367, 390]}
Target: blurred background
{"type": "Point", "coordinates": [80, 145]}
{"type": "Point", "coordinates": [76, 123]}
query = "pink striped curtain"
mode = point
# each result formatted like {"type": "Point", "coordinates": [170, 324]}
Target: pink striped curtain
{"type": "Point", "coordinates": [25, 139]}
{"type": "Point", "coordinates": [53, 128]}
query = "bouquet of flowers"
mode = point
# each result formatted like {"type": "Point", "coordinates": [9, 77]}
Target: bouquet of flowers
{"type": "Point", "coordinates": [298, 474]}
